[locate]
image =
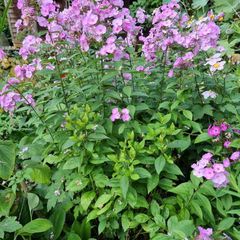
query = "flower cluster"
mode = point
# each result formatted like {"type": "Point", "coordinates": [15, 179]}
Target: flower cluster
{"type": "Point", "coordinates": [207, 168]}
{"type": "Point", "coordinates": [104, 23]}
{"type": "Point", "coordinates": [204, 234]}
{"type": "Point", "coordinates": [211, 169]}
{"type": "Point", "coordinates": [124, 115]}
{"type": "Point", "coordinates": [30, 45]}
{"type": "Point", "coordinates": [9, 99]}
{"type": "Point", "coordinates": [173, 29]}
{"type": "Point", "coordinates": [216, 130]}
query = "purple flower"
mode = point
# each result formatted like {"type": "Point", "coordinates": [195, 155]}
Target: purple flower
{"type": "Point", "coordinates": [204, 234]}
{"type": "Point", "coordinates": [218, 167]}
{"type": "Point", "coordinates": [214, 131]}
{"type": "Point", "coordinates": [125, 115]}
{"type": "Point", "coordinates": [29, 100]}
{"type": "Point", "coordinates": [30, 45]}
{"type": "Point", "coordinates": [220, 179]}
{"type": "Point", "coordinates": [140, 68]}
{"type": "Point", "coordinates": [115, 115]}
{"type": "Point", "coordinates": [207, 156]}
{"type": "Point", "coordinates": [235, 156]}
{"type": "Point", "coordinates": [127, 76]}
{"type": "Point", "coordinates": [226, 144]}
{"type": "Point", "coordinates": [208, 173]}
{"type": "Point", "coordinates": [224, 127]}
{"type": "Point", "coordinates": [140, 15]}
{"type": "Point", "coordinates": [171, 73]}
{"type": "Point", "coordinates": [226, 162]}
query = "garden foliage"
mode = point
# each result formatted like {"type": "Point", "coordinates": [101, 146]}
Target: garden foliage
{"type": "Point", "coordinates": [113, 130]}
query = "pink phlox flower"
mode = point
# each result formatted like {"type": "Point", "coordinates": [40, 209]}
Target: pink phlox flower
{"type": "Point", "coordinates": [125, 115]}
{"type": "Point", "coordinates": [141, 15]}
{"type": "Point", "coordinates": [227, 143]}
{"type": "Point", "coordinates": [204, 234]}
{"type": "Point", "coordinates": [214, 131]}
{"type": "Point", "coordinates": [115, 114]}
{"type": "Point", "coordinates": [127, 76]}
{"type": "Point", "coordinates": [235, 156]}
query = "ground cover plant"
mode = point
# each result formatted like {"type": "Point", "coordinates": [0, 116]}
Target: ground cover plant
{"type": "Point", "coordinates": [119, 126]}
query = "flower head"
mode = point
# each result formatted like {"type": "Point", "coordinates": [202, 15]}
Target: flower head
{"type": "Point", "coordinates": [214, 131]}
{"type": "Point", "coordinates": [204, 234]}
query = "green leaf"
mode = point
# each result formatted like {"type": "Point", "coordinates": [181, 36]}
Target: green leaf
{"type": "Point", "coordinates": [206, 207]}
{"type": "Point", "coordinates": [152, 182]}
{"type": "Point", "coordinates": [185, 190]}
{"type": "Point", "coordinates": [226, 223]}
{"type": "Point", "coordinates": [104, 209]}
{"type": "Point", "coordinates": [9, 224]}
{"type": "Point", "coordinates": [196, 209]}
{"type": "Point", "coordinates": [7, 159]}
{"type": "Point", "coordinates": [143, 173]}
{"type": "Point", "coordinates": [85, 230]}
{"type": "Point", "coordinates": [86, 199]}
{"type": "Point", "coordinates": [33, 201]}
{"type": "Point", "coordinates": [127, 90]}
{"type": "Point", "coordinates": [40, 174]}
{"type": "Point", "coordinates": [58, 220]}
{"type": "Point", "coordinates": [235, 143]}
{"type": "Point", "coordinates": [97, 137]}
{"type": "Point", "coordinates": [73, 163]}
{"type": "Point", "coordinates": [196, 4]}
{"type": "Point", "coordinates": [51, 159]}
{"type": "Point", "coordinates": [203, 137]}
{"type": "Point", "coordinates": [125, 222]}
{"type": "Point", "coordinates": [103, 199]}
{"type": "Point", "coordinates": [7, 198]}
{"type": "Point", "coordinates": [159, 164]}
{"type": "Point", "coordinates": [185, 226]}
{"type": "Point", "coordinates": [77, 184]}
{"type": "Point", "coordinates": [231, 108]}
{"type": "Point", "coordinates": [35, 226]}
{"type": "Point", "coordinates": [183, 144]}
{"type": "Point", "coordinates": [73, 236]}
{"type": "Point", "coordinates": [188, 114]}
{"type": "Point", "coordinates": [141, 218]}
{"type": "Point", "coordinates": [227, 6]}
{"type": "Point", "coordinates": [124, 183]}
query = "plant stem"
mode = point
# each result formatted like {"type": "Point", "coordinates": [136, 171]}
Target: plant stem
{"type": "Point", "coordinates": [198, 90]}
{"type": "Point", "coordinates": [62, 83]}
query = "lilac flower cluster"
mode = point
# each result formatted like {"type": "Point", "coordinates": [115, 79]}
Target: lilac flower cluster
{"type": "Point", "coordinates": [9, 98]}
{"type": "Point", "coordinates": [215, 172]}
{"type": "Point", "coordinates": [207, 166]}
{"type": "Point", "coordinates": [30, 45]}
{"type": "Point", "coordinates": [86, 22]}
{"type": "Point", "coordinates": [124, 115]}
{"type": "Point", "coordinates": [173, 29]}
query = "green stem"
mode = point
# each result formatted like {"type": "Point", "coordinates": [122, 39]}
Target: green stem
{"type": "Point", "coordinates": [62, 84]}
{"type": "Point", "coordinates": [198, 90]}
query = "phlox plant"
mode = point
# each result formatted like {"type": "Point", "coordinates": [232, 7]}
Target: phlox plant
{"type": "Point", "coordinates": [105, 123]}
